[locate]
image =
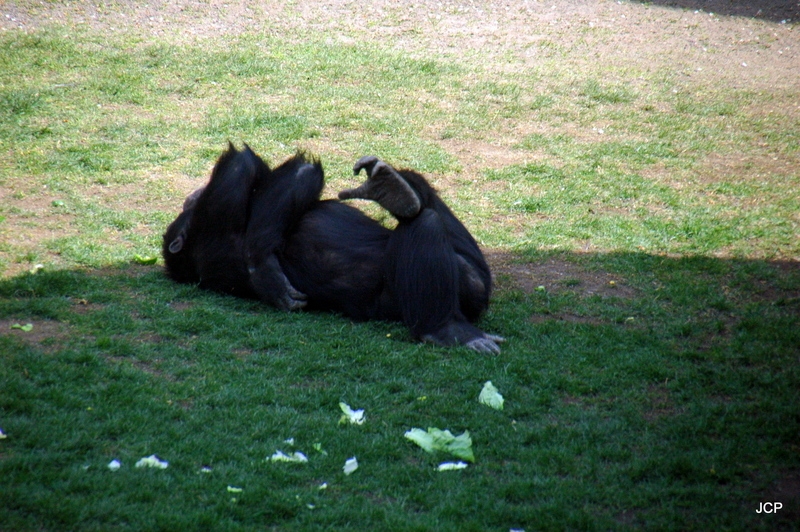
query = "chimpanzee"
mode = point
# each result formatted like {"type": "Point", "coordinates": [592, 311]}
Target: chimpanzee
{"type": "Point", "coordinates": [228, 233]}
{"type": "Point", "coordinates": [264, 233]}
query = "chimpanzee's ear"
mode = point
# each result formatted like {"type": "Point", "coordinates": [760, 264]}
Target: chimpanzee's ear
{"type": "Point", "coordinates": [176, 245]}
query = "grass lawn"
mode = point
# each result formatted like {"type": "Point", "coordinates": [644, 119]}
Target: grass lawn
{"type": "Point", "coordinates": [636, 196]}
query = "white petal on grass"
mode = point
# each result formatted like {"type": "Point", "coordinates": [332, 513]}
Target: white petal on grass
{"type": "Point", "coordinates": [296, 457]}
{"type": "Point", "coordinates": [489, 396]}
{"type": "Point", "coordinates": [355, 417]}
{"type": "Point", "coordinates": [350, 465]}
{"type": "Point", "coordinates": [234, 489]}
{"type": "Point", "coordinates": [114, 465]}
{"type": "Point", "coordinates": [152, 461]}
{"type": "Point", "coordinates": [443, 440]}
{"type": "Point", "coordinates": [451, 466]}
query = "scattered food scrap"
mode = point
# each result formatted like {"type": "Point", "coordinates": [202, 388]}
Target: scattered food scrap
{"type": "Point", "coordinates": [152, 461]}
{"type": "Point", "coordinates": [443, 440]}
{"type": "Point", "coordinates": [350, 465]}
{"type": "Point", "coordinates": [355, 417]}
{"type": "Point", "coordinates": [489, 396]}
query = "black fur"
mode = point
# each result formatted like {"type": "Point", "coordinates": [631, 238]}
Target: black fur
{"type": "Point", "coordinates": [257, 232]}
{"type": "Point", "coordinates": [228, 238]}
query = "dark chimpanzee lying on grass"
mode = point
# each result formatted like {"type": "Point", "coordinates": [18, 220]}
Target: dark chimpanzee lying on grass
{"type": "Point", "coordinates": [264, 233]}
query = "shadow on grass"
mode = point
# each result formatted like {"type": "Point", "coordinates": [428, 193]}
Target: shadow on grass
{"type": "Point", "coordinates": [642, 392]}
{"type": "Point", "coordinates": [774, 10]}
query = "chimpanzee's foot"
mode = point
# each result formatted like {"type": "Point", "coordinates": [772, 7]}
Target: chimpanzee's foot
{"type": "Point", "coordinates": [385, 186]}
{"type": "Point", "coordinates": [293, 299]}
{"type": "Point", "coordinates": [487, 344]}
{"type": "Point", "coordinates": [463, 333]}
{"type": "Point", "coordinates": [273, 287]}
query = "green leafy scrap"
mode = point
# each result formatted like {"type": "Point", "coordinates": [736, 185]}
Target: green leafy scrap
{"type": "Point", "coordinates": [443, 440]}
{"type": "Point", "coordinates": [489, 396]}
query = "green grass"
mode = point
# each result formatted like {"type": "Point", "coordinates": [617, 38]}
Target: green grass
{"type": "Point", "coordinates": [651, 383]}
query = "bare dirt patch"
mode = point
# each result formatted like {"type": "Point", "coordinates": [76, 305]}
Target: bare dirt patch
{"type": "Point", "coordinates": [660, 404]}
{"type": "Point", "coordinates": [725, 168]}
{"type": "Point", "coordinates": [764, 290]}
{"type": "Point", "coordinates": [180, 306]}
{"type": "Point", "coordinates": [150, 366]}
{"type": "Point", "coordinates": [44, 334]}
{"type": "Point", "coordinates": [699, 36]}
{"type": "Point", "coordinates": [566, 318]}
{"type": "Point", "coordinates": [556, 275]}
{"type": "Point", "coordinates": [82, 306]}
{"type": "Point", "coordinates": [476, 156]}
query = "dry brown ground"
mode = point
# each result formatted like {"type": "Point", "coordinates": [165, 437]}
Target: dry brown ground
{"type": "Point", "coordinates": [744, 51]}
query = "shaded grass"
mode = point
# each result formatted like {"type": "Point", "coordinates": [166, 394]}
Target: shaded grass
{"type": "Point", "coordinates": [678, 405]}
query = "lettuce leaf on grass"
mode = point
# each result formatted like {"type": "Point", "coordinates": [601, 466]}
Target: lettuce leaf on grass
{"type": "Point", "coordinates": [152, 461]}
{"type": "Point", "coordinates": [451, 466]}
{"type": "Point", "coordinates": [296, 457]}
{"type": "Point", "coordinates": [489, 396]}
{"type": "Point", "coordinates": [350, 465]}
{"type": "Point", "coordinates": [354, 417]}
{"type": "Point", "coordinates": [443, 440]}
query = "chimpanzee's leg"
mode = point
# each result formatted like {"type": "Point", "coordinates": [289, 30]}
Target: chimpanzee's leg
{"type": "Point", "coordinates": [278, 201]}
{"type": "Point", "coordinates": [405, 193]}
{"type": "Point", "coordinates": [432, 257]}
{"type": "Point", "coordinates": [423, 275]}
